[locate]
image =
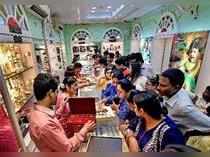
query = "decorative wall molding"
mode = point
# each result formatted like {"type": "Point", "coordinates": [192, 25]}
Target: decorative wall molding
{"type": "Point", "coordinates": [81, 35]}
{"type": "Point", "coordinates": [137, 31]}
{"type": "Point", "coordinates": [113, 34]}
{"type": "Point", "coordinates": [192, 10]}
{"type": "Point", "coordinates": [167, 24]}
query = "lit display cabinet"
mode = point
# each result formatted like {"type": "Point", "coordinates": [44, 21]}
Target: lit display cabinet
{"type": "Point", "coordinates": [19, 71]}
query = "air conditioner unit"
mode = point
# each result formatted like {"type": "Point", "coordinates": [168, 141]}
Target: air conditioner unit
{"type": "Point", "coordinates": [38, 10]}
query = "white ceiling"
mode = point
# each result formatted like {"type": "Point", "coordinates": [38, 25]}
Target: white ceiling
{"type": "Point", "coordinates": [79, 11]}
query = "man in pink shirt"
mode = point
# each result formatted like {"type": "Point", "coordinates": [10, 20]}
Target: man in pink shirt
{"type": "Point", "coordinates": [45, 129]}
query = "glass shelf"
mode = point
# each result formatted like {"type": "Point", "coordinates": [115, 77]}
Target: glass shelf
{"type": "Point", "coordinates": [9, 76]}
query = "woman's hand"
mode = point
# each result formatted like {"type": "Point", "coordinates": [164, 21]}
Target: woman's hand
{"type": "Point", "coordinates": [115, 107]}
{"type": "Point", "coordinates": [131, 141]}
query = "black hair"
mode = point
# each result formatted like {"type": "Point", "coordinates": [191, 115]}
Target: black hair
{"type": "Point", "coordinates": [135, 71]}
{"type": "Point", "coordinates": [108, 68]}
{"type": "Point", "coordinates": [112, 66]}
{"type": "Point", "coordinates": [208, 111]}
{"type": "Point", "coordinates": [43, 83]}
{"type": "Point", "coordinates": [126, 85]}
{"type": "Point", "coordinates": [77, 65]}
{"type": "Point", "coordinates": [117, 54]}
{"type": "Point", "coordinates": [103, 61]}
{"type": "Point", "coordinates": [69, 81]}
{"type": "Point", "coordinates": [154, 80]}
{"type": "Point", "coordinates": [76, 58]}
{"type": "Point", "coordinates": [116, 100]}
{"type": "Point", "coordinates": [131, 95]}
{"type": "Point", "coordinates": [57, 77]}
{"type": "Point", "coordinates": [106, 53]}
{"type": "Point", "coordinates": [208, 88]}
{"type": "Point", "coordinates": [96, 56]}
{"type": "Point", "coordinates": [117, 74]}
{"type": "Point", "coordinates": [111, 55]}
{"type": "Point", "coordinates": [137, 57]}
{"type": "Point", "coordinates": [69, 71]}
{"type": "Point", "coordinates": [150, 103]}
{"type": "Point", "coordinates": [123, 60]}
{"type": "Point", "coordinates": [175, 76]}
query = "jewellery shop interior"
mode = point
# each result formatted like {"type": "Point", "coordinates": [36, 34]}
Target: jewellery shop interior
{"type": "Point", "coordinates": [105, 76]}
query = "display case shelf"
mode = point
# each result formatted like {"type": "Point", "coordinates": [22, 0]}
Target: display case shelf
{"type": "Point", "coordinates": [9, 76]}
{"type": "Point", "coordinates": [25, 102]}
{"type": "Point", "coordinates": [19, 71]}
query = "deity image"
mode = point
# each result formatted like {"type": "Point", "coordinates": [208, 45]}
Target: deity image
{"type": "Point", "coordinates": [187, 55]}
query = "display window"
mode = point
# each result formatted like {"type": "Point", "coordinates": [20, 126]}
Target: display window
{"type": "Point", "coordinates": [56, 57]}
{"type": "Point", "coordinates": [113, 41]}
{"type": "Point", "coordinates": [112, 47]}
{"type": "Point", "coordinates": [19, 71]}
{"type": "Point", "coordinates": [83, 48]}
{"type": "Point", "coordinates": [187, 54]}
{"type": "Point", "coordinates": [42, 58]}
{"type": "Point", "coordinates": [60, 56]}
{"type": "Point", "coordinates": [145, 49]}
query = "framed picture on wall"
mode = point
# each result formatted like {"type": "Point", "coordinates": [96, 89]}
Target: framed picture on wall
{"type": "Point", "coordinates": [187, 54]}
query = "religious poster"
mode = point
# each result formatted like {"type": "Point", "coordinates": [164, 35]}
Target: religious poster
{"type": "Point", "coordinates": [145, 49]}
{"type": "Point", "coordinates": [187, 55]}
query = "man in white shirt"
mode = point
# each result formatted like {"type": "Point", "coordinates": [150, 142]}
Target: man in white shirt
{"type": "Point", "coordinates": [179, 104]}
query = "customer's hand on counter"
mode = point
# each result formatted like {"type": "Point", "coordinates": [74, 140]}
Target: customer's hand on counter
{"type": "Point", "coordinates": [89, 126]}
{"type": "Point", "coordinates": [101, 102]}
{"type": "Point", "coordinates": [115, 107]}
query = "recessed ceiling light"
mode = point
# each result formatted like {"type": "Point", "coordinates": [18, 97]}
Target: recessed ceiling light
{"type": "Point", "coordinates": [94, 8]}
{"type": "Point", "coordinates": [93, 11]}
{"type": "Point", "coordinates": [109, 7]}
